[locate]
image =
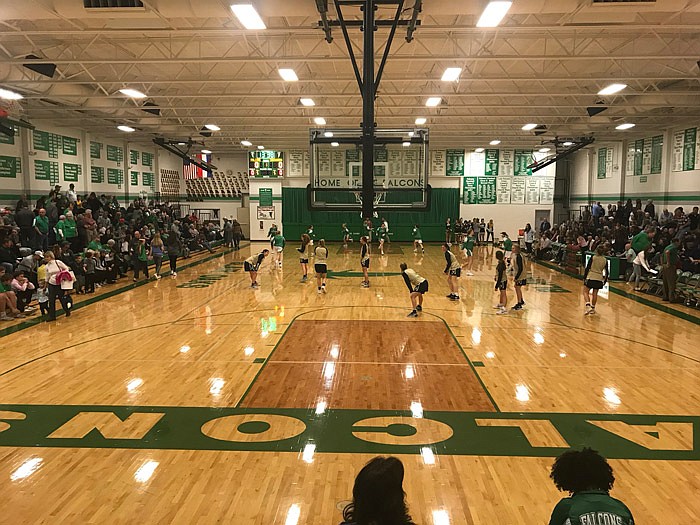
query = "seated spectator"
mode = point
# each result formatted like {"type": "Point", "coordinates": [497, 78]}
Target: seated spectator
{"type": "Point", "coordinates": [8, 298]}
{"type": "Point", "coordinates": [23, 290]}
{"type": "Point", "coordinates": [378, 497]}
{"type": "Point", "coordinates": [588, 477]}
{"type": "Point", "coordinates": [9, 255]}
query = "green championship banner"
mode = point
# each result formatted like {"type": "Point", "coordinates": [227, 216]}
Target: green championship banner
{"type": "Point", "coordinates": [8, 167]}
{"type": "Point", "coordinates": [455, 162]}
{"type": "Point", "coordinates": [71, 172]}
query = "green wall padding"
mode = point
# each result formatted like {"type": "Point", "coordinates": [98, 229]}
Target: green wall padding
{"type": "Point", "coordinates": [296, 216]}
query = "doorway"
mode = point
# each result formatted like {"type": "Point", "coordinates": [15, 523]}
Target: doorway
{"type": "Point", "coordinates": [540, 215]}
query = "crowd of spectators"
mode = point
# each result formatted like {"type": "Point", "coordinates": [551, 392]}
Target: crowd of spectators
{"type": "Point", "coordinates": [624, 230]}
{"type": "Point", "coordinates": [98, 238]}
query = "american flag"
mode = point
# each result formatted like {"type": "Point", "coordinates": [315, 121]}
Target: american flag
{"type": "Point", "coordinates": [190, 171]}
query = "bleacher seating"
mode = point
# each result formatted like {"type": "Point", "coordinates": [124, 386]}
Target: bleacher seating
{"type": "Point", "coordinates": [169, 184]}
{"type": "Point", "coordinates": [220, 184]}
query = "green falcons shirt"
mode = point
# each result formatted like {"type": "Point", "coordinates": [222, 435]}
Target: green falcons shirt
{"type": "Point", "coordinates": [591, 507]}
{"type": "Point", "coordinates": [507, 244]}
{"type": "Point", "coordinates": [416, 234]}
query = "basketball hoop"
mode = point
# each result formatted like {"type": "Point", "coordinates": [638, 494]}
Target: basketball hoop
{"type": "Point", "coordinates": [379, 197]}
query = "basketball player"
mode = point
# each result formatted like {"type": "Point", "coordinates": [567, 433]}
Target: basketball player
{"type": "Point", "coordinates": [501, 283]}
{"type": "Point", "coordinates": [468, 251]}
{"type": "Point", "coordinates": [311, 234]}
{"type": "Point", "coordinates": [517, 263]}
{"type": "Point", "coordinates": [382, 236]}
{"type": "Point", "coordinates": [453, 270]}
{"type": "Point", "coordinates": [594, 278]}
{"type": "Point", "coordinates": [304, 258]}
{"type": "Point", "coordinates": [417, 286]}
{"type": "Point", "coordinates": [346, 235]}
{"type": "Point", "coordinates": [321, 265]}
{"type": "Point", "coordinates": [278, 243]}
{"type": "Point", "coordinates": [252, 265]}
{"type": "Point", "coordinates": [364, 260]}
{"type": "Point", "coordinates": [271, 234]}
{"type": "Point", "coordinates": [417, 240]}
{"type": "Point", "coordinates": [507, 246]}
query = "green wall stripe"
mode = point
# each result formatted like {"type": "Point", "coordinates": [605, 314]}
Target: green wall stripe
{"type": "Point", "coordinates": [634, 196]}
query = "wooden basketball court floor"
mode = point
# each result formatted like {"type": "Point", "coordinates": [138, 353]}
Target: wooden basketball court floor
{"type": "Point", "coordinates": [199, 400]}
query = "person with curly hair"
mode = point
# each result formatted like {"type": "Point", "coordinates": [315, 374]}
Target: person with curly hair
{"type": "Point", "coordinates": [378, 497]}
{"type": "Point", "coordinates": [588, 477]}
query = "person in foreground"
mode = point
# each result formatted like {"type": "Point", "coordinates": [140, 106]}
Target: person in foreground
{"type": "Point", "coordinates": [378, 497]}
{"type": "Point", "coordinates": [588, 477]}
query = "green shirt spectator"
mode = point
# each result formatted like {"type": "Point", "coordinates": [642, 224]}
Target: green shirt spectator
{"type": "Point", "coordinates": [640, 242]}
{"type": "Point", "coordinates": [670, 255]}
{"type": "Point", "coordinates": [41, 223]}
{"type": "Point", "coordinates": [591, 507]}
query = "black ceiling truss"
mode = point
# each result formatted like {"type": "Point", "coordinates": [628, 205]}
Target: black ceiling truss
{"type": "Point", "coordinates": [369, 80]}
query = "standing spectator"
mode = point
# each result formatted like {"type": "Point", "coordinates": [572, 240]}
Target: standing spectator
{"type": "Point", "coordinates": [53, 214]}
{"type": "Point", "coordinates": [588, 477]}
{"type": "Point", "coordinates": [669, 265]}
{"type": "Point", "coordinates": [650, 209]}
{"type": "Point", "coordinates": [71, 195]}
{"type": "Point", "coordinates": [642, 240]}
{"type": "Point", "coordinates": [597, 212]}
{"type": "Point", "coordinates": [693, 219]}
{"type": "Point", "coordinates": [90, 267]}
{"type": "Point", "coordinates": [228, 233]}
{"type": "Point", "coordinates": [93, 203]}
{"type": "Point", "coordinates": [54, 269]}
{"type": "Point", "coordinates": [70, 231]}
{"type": "Point", "coordinates": [41, 231]}
{"type": "Point", "coordinates": [529, 238]}
{"type": "Point", "coordinates": [25, 221]}
{"type": "Point", "coordinates": [139, 256]}
{"type": "Point", "coordinates": [544, 225]}
{"type": "Point", "coordinates": [489, 232]}
{"type": "Point", "coordinates": [174, 251]}
{"type": "Point", "coordinates": [378, 496]}
{"type": "Point", "coordinates": [157, 251]}
{"type": "Point", "coordinates": [90, 226]}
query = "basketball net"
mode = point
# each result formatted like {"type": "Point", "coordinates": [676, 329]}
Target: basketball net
{"type": "Point", "coordinates": [379, 197]}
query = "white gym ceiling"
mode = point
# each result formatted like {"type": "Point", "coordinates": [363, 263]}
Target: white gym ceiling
{"type": "Point", "coordinates": [544, 64]}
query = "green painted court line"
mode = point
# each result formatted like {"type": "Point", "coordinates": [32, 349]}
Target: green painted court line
{"type": "Point", "coordinates": [478, 364]}
{"type": "Point", "coordinates": [348, 431]}
{"type": "Point", "coordinates": [38, 320]}
{"type": "Point", "coordinates": [642, 300]}
{"type": "Point", "coordinates": [259, 360]}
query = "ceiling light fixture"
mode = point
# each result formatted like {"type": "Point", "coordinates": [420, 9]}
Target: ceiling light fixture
{"type": "Point", "coordinates": [479, 150]}
{"type": "Point", "coordinates": [288, 74]}
{"type": "Point", "coordinates": [126, 129]}
{"type": "Point", "coordinates": [328, 134]}
{"type": "Point", "coordinates": [10, 95]}
{"type": "Point", "coordinates": [451, 74]}
{"type": "Point", "coordinates": [335, 144]}
{"type": "Point", "coordinates": [612, 89]}
{"type": "Point", "coordinates": [405, 144]}
{"type": "Point", "coordinates": [308, 102]}
{"type": "Point", "coordinates": [248, 16]}
{"type": "Point", "coordinates": [212, 127]}
{"type": "Point", "coordinates": [206, 152]}
{"type": "Point", "coordinates": [529, 127]}
{"type": "Point", "coordinates": [545, 150]}
{"type": "Point", "coordinates": [246, 143]}
{"type": "Point", "coordinates": [433, 101]}
{"type": "Point", "coordinates": [493, 14]}
{"type": "Point", "coordinates": [320, 121]}
{"type": "Point", "coordinates": [133, 93]}
{"type": "Point", "coordinates": [628, 125]}
{"type": "Point", "coordinates": [260, 146]}
{"type": "Point", "coordinates": [421, 120]}
{"type": "Point", "coordinates": [495, 142]}
{"type": "Point", "coordinates": [568, 143]}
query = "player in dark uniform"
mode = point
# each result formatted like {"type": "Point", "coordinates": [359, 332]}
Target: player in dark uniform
{"type": "Point", "coordinates": [347, 236]}
{"type": "Point", "coordinates": [304, 250]}
{"type": "Point", "coordinates": [501, 283]}
{"type": "Point", "coordinates": [517, 263]}
{"type": "Point", "coordinates": [453, 270]}
{"type": "Point", "coordinates": [417, 286]}
{"type": "Point", "coordinates": [321, 265]}
{"type": "Point", "coordinates": [364, 260]}
{"type": "Point", "coordinates": [252, 265]}
{"type": "Point", "coordinates": [588, 477]}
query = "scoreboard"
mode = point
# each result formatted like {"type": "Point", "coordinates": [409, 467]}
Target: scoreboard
{"type": "Point", "coordinates": [266, 164]}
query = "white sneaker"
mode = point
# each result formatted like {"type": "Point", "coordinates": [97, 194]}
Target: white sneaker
{"type": "Point", "coordinates": [174, 274]}
{"type": "Point", "coordinates": [502, 311]}
{"type": "Point", "coordinates": [319, 291]}
{"type": "Point", "coordinates": [470, 273]}
{"type": "Point", "coordinates": [157, 276]}
{"type": "Point", "coordinates": [323, 289]}
{"type": "Point", "coordinates": [498, 307]}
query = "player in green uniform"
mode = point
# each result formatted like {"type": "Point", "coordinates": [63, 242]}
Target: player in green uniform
{"type": "Point", "coordinates": [468, 251]}
{"type": "Point", "coordinates": [304, 250]}
{"type": "Point", "coordinates": [382, 235]}
{"type": "Point", "coordinates": [271, 234]}
{"type": "Point", "coordinates": [588, 477]}
{"type": "Point", "coordinates": [278, 243]}
{"type": "Point", "coordinates": [417, 286]}
{"type": "Point", "coordinates": [507, 246]}
{"type": "Point", "coordinates": [453, 270]}
{"type": "Point", "coordinates": [417, 240]}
